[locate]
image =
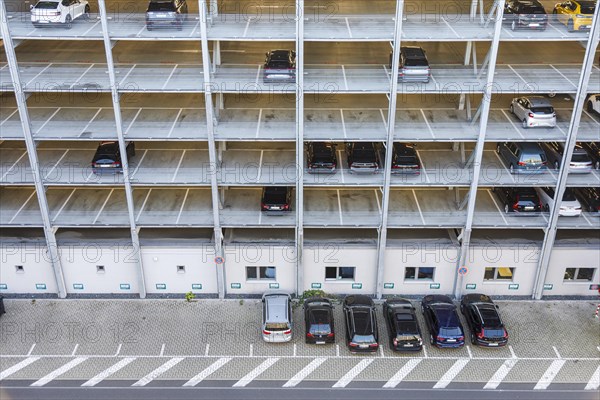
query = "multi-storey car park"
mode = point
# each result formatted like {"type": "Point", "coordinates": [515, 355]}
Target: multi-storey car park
{"type": "Point", "coordinates": [210, 134]}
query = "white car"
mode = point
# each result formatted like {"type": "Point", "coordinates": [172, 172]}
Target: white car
{"type": "Point", "coordinates": [58, 12]}
{"type": "Point", "coordinates": [569, 207]}
{"type": "Point", "coordinates": [534, 111]}
{"type": "Point", "coordinates": [593, 103]}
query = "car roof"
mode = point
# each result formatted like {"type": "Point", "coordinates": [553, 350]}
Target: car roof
{"type": "Point", "coordinates": [277, 309]}
{"type": "Point", "coordinates": [358, 300]}
{"type": "Point", "coordinates": [317, 302]}
{"type": "Point", "coordinates": [538, 101]}
{"type": "Point", "coordinates": [437, 298]}
{"type": "Point", "coordinates": [276, 189]}
{"type": "Point", "coordinates": [280, 54]}
{"type": "Point", "coordinates": [399, 303]}
{"type": "Point", "coordinates": [404, 148]}
{"type": "Point", "coordinates": [529, 146]}
{"type": "Point", "coordinates": [477, 298]}
{"type": "Point", "coordinates": [412, 51]}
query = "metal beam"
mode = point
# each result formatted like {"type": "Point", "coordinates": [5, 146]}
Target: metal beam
{"type": "Point", "coordinates": [387, 166]}
{"type": "Point", "coordinates": [299, 146]}
{"type": "Point", "coordinates": [550, 236]}
{"type": "Point", "coordinates": [114, 90]}
{"type": "Point", "coordinates": [40, 190]}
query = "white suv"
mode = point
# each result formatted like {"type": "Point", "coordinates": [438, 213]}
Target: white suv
{"type": "Point", "coordinates": [58, 12]}
{"type": "Point", "coordinates": [593, 103]}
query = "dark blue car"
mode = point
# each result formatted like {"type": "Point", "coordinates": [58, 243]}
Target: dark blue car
{"type": "Point", "coordinates": [445, 329]}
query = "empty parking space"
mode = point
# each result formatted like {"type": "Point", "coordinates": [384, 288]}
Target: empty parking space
{"type": "Point", "coordinates": [87, 206]}
{"type": "Point", "coordinates": [10, 122]}
{"type": "Point", "coordinates": [19, 207]}
{"type": "Point", "coordinates": [425, 207]}
{"type": "Point", "coordinates": [345, 207]}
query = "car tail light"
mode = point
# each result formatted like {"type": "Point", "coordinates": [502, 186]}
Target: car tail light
{"type": "Point", "coordinates": [439, 339]}
{"type": "Point", "coordinates": [461, 338]}
{"type": "Point", "coordinates": [310, 335]}
{"type": "Point", "coordinates": [264, 206]}
{"type": "Point", "coordinates": [331, 335]}
{"type": "Point", "coordinates": [287, 332]}
{"type": "Point", "coordinates": [286, 206]}
{"type": "Point", "coordinates": [395, 341]}
{"type": "Point", "coordinates": [530, 115]}
{"type": "Point", "coordinates": [505, 334]}
{"type": "Point", "coordinates": [396, 167]}
{"type": "Point", "coordinates": [480, 334]}
{"type": "Point", "coordinates": [266, 332]}
{"type": "Point", "coordinates": [352, 344]}
{"type": "Point", "coordinates": [522, 164]}
{"type": "Point", "coordinates": [116, 164]}
{"type": "Point", "coordinates": [516, 205]}
{"type": "Point", "coordinates": [374, 345]}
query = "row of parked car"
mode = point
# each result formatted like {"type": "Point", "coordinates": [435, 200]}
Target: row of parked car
{"type": "Point", "coordinates": [485, 327]}
{"type": "Point", "coordinates": [576, 15]}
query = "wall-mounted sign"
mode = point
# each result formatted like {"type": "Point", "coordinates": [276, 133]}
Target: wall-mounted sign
{"type": "Point", "coordinates": [548, 286]}
{"type": "Point", "coordinates": [219, 260]}
{"type": "Point", "coordinates": [388, 285]}
{"type": "Point", "coordinates": [3, 286]}
{"type": "Point", "coordinates": [40, 286]}
{"type": "Point", "coordinates": [513, 286]}
{"type": "Point", "coordinates": [471, 286]}
{"type": "Point", "coordinates": [196, 286]}
{"type": "Point", "coordinates": [315, 286]}
{"type": "Point", "coordinates": [161, 286]}
{"type": "Point", "coordinates": [273, 285]}
{"type": "Point", "coordinates": [236, 285]}
{"type": "Point", "coordinates": [434, 286]}
{"type": "Point", "coordinates": [357, 286]}
{"type": "Point", "coordinates": [125, 286]}
{"type": "Point", "coordinates": [463, 271]}
{"type": "Point", "coordinates": [78, 286]}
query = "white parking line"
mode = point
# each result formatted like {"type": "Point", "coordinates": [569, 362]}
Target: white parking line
{"type": "Point", "coordinates": [385, 124]}
{"type": "Point", "coordinates": [64, 204]}
{"type": "Point", "coordinates": [169, 77]}
{"type": "Point", "coordinates": [49, 118]}
{"type": "Point", "coordinates": [133, 121]}
{"type": "Point", "coordinates": [500, 374]}
{"type": "Point", "coordinates": [343, 122]}
{"type": "Point", "coordinates": [594, 382]}
{"type": "Point", "coordinates": [550, 374]}
{"type": "Point", "coordinates": [427, 123]}
{"type": "Point", "coordinates": [556, 352]}
{"type": "Point", "coordinates": [13, 166]}
{"type": "Point", "coordinates": [341, 166]}
{"type": "Point", "coordinates": [418, 206]}
{"type": "Point", "coordinates": [58, 372]}
{"type": "Point", "coordinates": [93, 26]}
{"type": "Point", "coordinates": [127, 74]}
{"type": "Point", "coordinates": [353, 373]}
{"type": "Point", "coordinates": [377, 201]}
{"type": "Point", "coordinates": [304, 372]}
{"type": "Point", "coordinates": [38, 74]}
{"type": "Point", "coordinates": [17, 367]}
{"type": "Point", "coordinates": [469, 351]}
{"type": "Point", "coordinates": [90, 122]}
{"type": "Point", "coordinates": [178, 165]}
{"type": "Point", "coordinates": [561, 74]}
{"type": "Point", "coordinates": [207, 371]}
{"type": "Point", "coordinates": [340, 207]}
{"type": "Point", "coordinates": [512, 351]}
{"type": "Point", "coordinates": [175, 122]}
{"type": "Point", "coordinates": [22, 207]}
{"type": "Point", "coordinates": [194, 29]}
{"type": "Point", "coordinates": [508, 117]}
{"type": "Point", "coordinates": [143, 205]}
{"type": "Point", "coordinates": [81, 76]}
{"type": "Point", "coordinates": [586, 218]}
{"type": "Point", "coordinates": [75, 350]}
{"type": "Point", "coordinates": [344, 74]}
{"type": "Point", "coordinates": [247, 26]}
{"type": "Point", "coordinates": [258, 123]}
{"type": "Point", "coordinates": [31, 349]}
{"type": "Point", "coordinates": [206, 349]}
{"type": "Point", "coordinates": [140, 31]}
{"type": "Point", "coordinates": [139, 163]}
{"type": "Point", "coordinates": [447, 378]}
{"type": "Point", "coordinates": [348, 26]}
{"type": "Point", "coordinates": [500, 211]}
{"type": "Point", "coordinates": [103, 205]}
{"type": "Point", "coordinates": [258, 74]}
{"type": "Point", "coordinates": [260, 162]}
{"type": "Point", "coordinates": [423, 167]}
{"type": "Point", "coordinates": [158, 371]}
{"type": "Point", "coordinates": [402, 373]}
{"type": "Point", "coordinates": [11, 114]}
{"type": "Point", "coordinates": [56, 164]}
{"type": "Point", "coordinates": [450, 27]}
{"type": "Point", "coordinates": [517, 74]}
{"type": "Point", "coordinates": [586, 113]}
{"type": "Point", "coordinates": [108, 372]}
{"type": "Point", "coordinates": [251, 350]}
{"type": "Point", "coordinates": [249, 377]}
{"type": "Point", "coordinates": [162, 350]}
{"type": "Point", "coordinates": [187, 192]}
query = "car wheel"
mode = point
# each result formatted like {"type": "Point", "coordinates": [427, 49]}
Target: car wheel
{"type": "Point", "coordinates": [597, 165]}
{"type": "Point", "coordinates": [570, 26]}
{"type": "Point", "coordinates": [591, 209]}
{"type": "Point", "coordinates": [498, 148]}
{"type": "Point", "coordinates": [506, 208]}
{"type": "Point", "coordinates": [86, 13]}
{"type": "Point", "coordinates": [551, 94]}
{"type": "Point", "coordinates": [590, 106]}
{"type": "Point", "coordinates": [68, 22]}
{"type": "Point", "coordinates": [547, 208]}
{"type": "Point", "coordinates": [556, 165]}
{"type": "Point", "coordinates": [472, 337]}
{"type": "Point", "coordinates": [431, 341]}
{"type": "Point", "coordinates": [512, 109]}
{"type": "Point", "coordinates": [511, 169]}
{"type": "Point", "coordinates": [514, 26]}
{"type": "Point", "coordinates": [524, 124]}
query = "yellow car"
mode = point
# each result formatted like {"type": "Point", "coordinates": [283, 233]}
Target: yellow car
{"type": "Point", "coordinates": [576, 15]}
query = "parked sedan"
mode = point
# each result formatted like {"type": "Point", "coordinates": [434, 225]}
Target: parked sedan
{"type": "Point", "coordinates": [405, 159]}
{"type": "Point", "coordinates": [521, 200]}
{"type": "Point", "coordinates": [321, 158]}
{"type": "Point", "coordinates": [363, 157]}
{"type": "Point", "coordinates": [589, 198]}
{"type": "Point", "coordinates": [58, 12]}
{"type": "Point", "coordinates": [166, 14]}
{"type": "Point", "coordinates": [580, 163]}
{"type": "Point", "coordinates": [361, 324]}
{"type": "Point", "coordinates": [108, 157]}
{"type": "Point", "coordinates": [485, 325]}
{"type": "Point", "coordinates": [527, 14]}
{"type": "Point", "coordinates": [318, 316]}
{"type": "Point", "coordinates": [593, 150]}
{"type": "Point", "coordinates": [276, 200]}
{"type": "Point", "coordinates": [280, 66]}
{"type": "Point", "coordinates": [569, 206]}
{"type": "Point", "coordinates": [403, 327]}
{"type": "Point", "coordinates": [445, 329]}
{"type": "Point", "coordinates": [534, 111]}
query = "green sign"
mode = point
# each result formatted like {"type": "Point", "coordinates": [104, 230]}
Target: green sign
{"type": "Point", "coordinates": [357, 286]}
{"type": "Point", "coordinates": [125, 286]}
{"type": "Point", "coordinates": [388, 285]}
{"type": "Point", "coordinates": [548, 286]}
{"type": "Point", "coordinates": [236, 285]}
{"type": "Point", "coordinates": [196, 286]}
{"type": "Point", "coordinates": [3, 286]}
{"type": "Point", "coordinates": [161, 286]}
{"type": "Point", "coordinates": [513, 286]}
{"type": "Point", "coordinates": [273, 285]}
{"type": "Point", "coordinates": [315, 286]}
{"type": "Point", "coordinates": [434, 286]}
{"type": "Point", "coordinates": [40, 286]}
{"type": "Point", "coordinates": [78, 286]}
{"type": "Point", "coordinates": [471, 286]}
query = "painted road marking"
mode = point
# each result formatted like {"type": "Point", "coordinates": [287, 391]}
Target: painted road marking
{"type": "Point", "coordinates": [550, 374]}
{"type": "Point", "coordinates": [207, 371]}
{"type": "Point", "coordinates": [358, 368]}
{"type": "Point", "coordinates": [108, 372]}
{"type": "Point", "coordinates": [58, 372]}
{"type": "Point", "coordinates": [500, 374]}
{"type": "Point", "coordinates": [402, 373]}
{"type": "Point", "coordinates": [451, 373]}
{"type": "Point", "coordinates": [304, 372]}
{"type": "Point", "coordinates": [256, 372]}
{"type": "Point", "coordinates": [17, 367]}
{"type": "Point", "coordinates": [594, 382]}
{"type": "Point", "coordinates": [158, 371]}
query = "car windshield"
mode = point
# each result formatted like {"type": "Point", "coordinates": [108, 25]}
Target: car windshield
{"type": "Point", "coordinates": [580, 158]}
{"type": "Point", "coordinates": [587, 7]}
{"type": "Point", "coordinates": [46, 5]}
{"type": "Point", "coordinates": [533, 158]}
{"type": "Point", "coordinates": [406, 160]}
{"type": "Point", "coordinates": [448, 318]}
{"type": "Point", "coordinates": [278, 64]}
{"type": "Point", "coordinates": [532, 9]}
{"type": "Point", "coordinates": [362, 323]}
{"type": "Point", "coordinates": [493, 333]}
{"type": "Point", "coordinates": [275, 195]}
{"type": "Point", "coordinates": [569, 195]}
{"type": "Point", "coordinates": [416, 62]}
{"type": "Point", "coordinates": [542, 110]}
{"type": "Point", "coordinates": [405, 324]}
{"type": "Point", "coordinates": [277, 326]}
{"type": "Point", "coordinates": [161, 6]}
{"type": "Point", "coordinates": [363, 153]}
{"type": "Point", "coordinates": [363, 339]}
{"type": "Point", "coordinates": [528, 197]}
{"type": "Point", "coordinates": [450, 332]}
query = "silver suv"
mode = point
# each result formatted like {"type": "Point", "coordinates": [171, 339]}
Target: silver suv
{"type": "Point", "coordinates": [277, 317]}
{"type": "Point", "coordinates": [581, 162]}
{"type": "Point", "coordinates": [534, 111]}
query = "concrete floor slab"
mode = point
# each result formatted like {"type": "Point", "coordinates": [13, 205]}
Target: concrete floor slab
{"type": "Point", "coordinates": [19, 206]}
{"type": "Point", "coordinates": [10, 123]}
{"type": "Point", "coordinates": [161, 207]}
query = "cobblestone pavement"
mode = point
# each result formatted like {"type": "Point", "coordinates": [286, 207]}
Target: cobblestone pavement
{"type": "Point", "coordinates": [218, 343]}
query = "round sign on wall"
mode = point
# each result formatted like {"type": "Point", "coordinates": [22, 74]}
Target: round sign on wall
{"type": "Point", "coordinates": [219, 260]}
{"type": "Point", "coordinates": [463, 270]}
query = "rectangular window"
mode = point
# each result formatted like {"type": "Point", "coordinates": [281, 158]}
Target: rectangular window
{"type": "Point", "coordinates": [419, 273]}
{"type": "Point", "coordinates": [340, 273]}
{"type": "Point", "coordinates": [100, 269]}
{"type": "Point", "coordinates": [260, 273]}
{"type": "Point", "coordinates": [20, 269]}
{"type": "Point", "coordinates": [181, 269]}
{"type": "Point", "coordinates": [498, 274]}
{"type": "Point", "coordinates": [579, 274]}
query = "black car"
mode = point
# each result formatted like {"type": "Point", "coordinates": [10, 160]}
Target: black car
{"type": "Point", "coordinates": [363, 157]}
{"type": "Point", "coordinates": [527, 14]}
{"type": "Point", "coordinates": [445, 329]}
{"type": "Point", "coordinates": [521, 200]}
{"type": "Point", "coordinates": [414, 66]}
{"type": "Point", "coordinates": [280, 66]}
{"type": "Point", "coordinates": [589, 197]}
{"type": "Point", "coordinates": [402, 325]}
{"type": "Point", "coordinates": [593, 150]}
{"type": "Point", "coordinates": [485, 325]}
{"type": "Point", "coordinates": [321, 158]}
{"type": "Point", "coordinates": [361, 324]}
{"type": "Point", "coordinates": [318, 316]}
{"type": "Point", "coordinates": [276, 200]}
{"type": "Point", "coordinates": [166, 13]}
{"type": "Point", "coordinates": [108, 157]}
{"type": "Point", "coordinates": [405, 159]}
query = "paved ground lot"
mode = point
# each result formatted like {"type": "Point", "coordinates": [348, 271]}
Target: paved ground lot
{"type": "Point", "coordinates": [217, 343]}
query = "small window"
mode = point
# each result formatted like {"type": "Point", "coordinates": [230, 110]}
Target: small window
{"type": "Point", "coordinates": [579, 274]}
{"type": "Point", "coordinates": [181, 269]}
{"type": "Point", "coordinates": [498, 274]}
{"type": "Point", "coordinates": [340, 273]}
{"type": "Point", "coordinates": [100, 269]}
{"type": "Point", "coordinates": [19, 269]}
{"type": "Point", "coordinates": [419, 273]}
{"type": "Point", "coordinates": [260, 273]}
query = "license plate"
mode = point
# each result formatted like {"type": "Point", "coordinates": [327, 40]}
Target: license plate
{"type": "Point", "coordinates": [363, 346]}
{"type": "Point", "coordinates": [534, 25]}
{"type": "Point", "coordinates": [320, 342]}
{"type": "Point", "coordinates": [409, 345]}
{"type": "Point", "coordinates": [160, 15]}
{"type": "Point", "coordinates": [528, 208]}
{"type": "Point", "coordinates": [275, 208]}
{"type": "Point", "coordinates": [104, 166]}
{"type": "Point", "coordinates": [493, 344]}
{"type": "Point", "coordinates": [451, 340]}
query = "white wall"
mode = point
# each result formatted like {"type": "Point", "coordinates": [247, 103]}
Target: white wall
{"type": "Point", "coordinates": [160, 267]}
{"type": "Point", "coordinates": [364, 259]}
{"type": "Point", "coordinates": [564, 257]}
{"type": "Point", "coordinates": [239, 256]}
{"type": "Point", "coordinates": [37, 269]}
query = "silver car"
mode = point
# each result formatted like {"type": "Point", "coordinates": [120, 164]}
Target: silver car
{"type": "Point", "coordinates": [581, 163]}
{"type": "Point", "coordinates": [534, 111]}
{"type": "Point", "coordinates": [277, 317]}
{"type": "Point", "coordinates": [569, 206]}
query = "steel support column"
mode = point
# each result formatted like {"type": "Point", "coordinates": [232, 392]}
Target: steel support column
{"type": "Point", "coordinates": [387, 166]}
{"type": "Point", "coordinates": [212, 153]}
{"type": "Point", "coordinates": [299, 146]}
{"type": "Point", "coordinates": [114, 89]}
{"type": "Point", "coordinates": [484, 115]}
{"type": "Point", "coordinates": [550, 236]}
{"type": "Point", "coordinates": [40, 190]}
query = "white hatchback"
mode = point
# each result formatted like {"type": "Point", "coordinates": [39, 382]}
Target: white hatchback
{"type": "Point", "coordinates": [58, 12]}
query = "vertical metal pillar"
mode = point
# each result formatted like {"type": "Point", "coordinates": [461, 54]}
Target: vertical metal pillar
{"type": "Point", "coordinates": [114, 89]}
{"type": "Point", "coordinates": [550, 236]}
{"type": "Point", "coordinates": [212, 153]}
{"type": "Point", "coordinates": [478, 153]}
{"type": "Point", "coordinates": [387, 166]}
{"type": "Point", "coordinates": [299, 146]}
{"type": "Point", "coordinates": [32, 153]}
